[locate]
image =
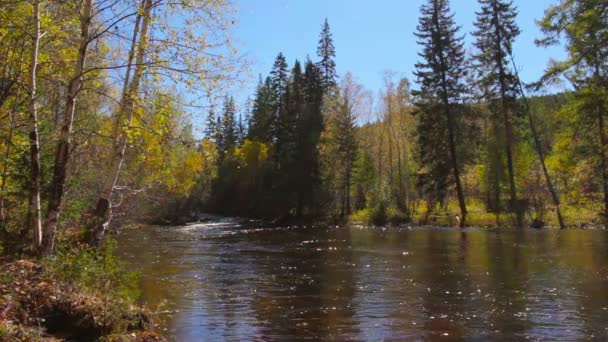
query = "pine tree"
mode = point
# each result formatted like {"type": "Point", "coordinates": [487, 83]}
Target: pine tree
{"type": "Point", "coordinates": [496, 31]}
{"type": "Point", "coordinates": [327, 52]}
{"type": "Point", "coordinates": [439, 75]}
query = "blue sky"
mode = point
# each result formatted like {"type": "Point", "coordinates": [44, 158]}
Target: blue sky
{"type": "Point", "coordinates": [370, 36]}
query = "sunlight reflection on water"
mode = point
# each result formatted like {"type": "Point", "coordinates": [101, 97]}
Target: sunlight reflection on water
{"type": "Point", "coordinates": [224, 282]}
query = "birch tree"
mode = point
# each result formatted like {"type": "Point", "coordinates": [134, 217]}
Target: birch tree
{"type": "Point", "coordinates": [34, 211]}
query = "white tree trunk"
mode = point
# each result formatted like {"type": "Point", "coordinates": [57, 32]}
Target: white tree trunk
{"type": "Point", "coordinates": [34, 205]}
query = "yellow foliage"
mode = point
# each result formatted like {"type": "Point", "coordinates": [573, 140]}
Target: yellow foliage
{"type": "Point", "coordinates": [251, 153]}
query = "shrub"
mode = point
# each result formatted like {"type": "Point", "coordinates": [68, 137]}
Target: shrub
{"type": "Point", "coordinates": [99, 273]}
{"type": "Point", "coordinates": [396, 217]}
{"type": "Point", "coordinates": [361, 216]}
{"type": "Point", "coordinates": [378, 215]}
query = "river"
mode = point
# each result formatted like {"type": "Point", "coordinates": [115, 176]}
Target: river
{"type": "Point", "coordinates": [219, 281]}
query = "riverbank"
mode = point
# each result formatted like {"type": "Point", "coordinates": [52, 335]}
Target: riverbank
{"type": "Point", "coordinates": [421, 215]}
{"type": "Point", "coordinates": [44, 301]}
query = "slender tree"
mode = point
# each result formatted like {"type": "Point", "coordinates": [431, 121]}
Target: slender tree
{"type": "Point", "coordinates": [539, 148]}
{"type": "Point", "coordinates": [35, 214]}
{"type": "Point", "coordinates": [100, 216]}
{"type": "Point", "coordinates": [440, 75]}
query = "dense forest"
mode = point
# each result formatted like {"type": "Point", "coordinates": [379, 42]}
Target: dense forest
{"type": "Point", "coordinates": [96, 130]}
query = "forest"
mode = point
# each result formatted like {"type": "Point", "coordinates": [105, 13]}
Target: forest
{"type": "Point", "coordinates": [122, 113]}
{"type": "Point", "coordinates": [473, 141]}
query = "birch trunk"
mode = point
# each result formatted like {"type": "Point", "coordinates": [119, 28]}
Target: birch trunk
{"type": "Point", "coordinates": [101, 213]}
{"type": "Point", "coordinates": [34, 204]}
{"type": "Point", "coordinates": [62, 154]}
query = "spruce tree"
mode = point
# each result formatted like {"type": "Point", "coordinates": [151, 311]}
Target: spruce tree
{"type": "Point", "coordinates": [279, 76]}
{"type": "Point", "coordinates": [496, 31]}
{"type": "Point", "coordinates": [262, 113]}
{"type": "Point", "coordinates": [279, 79]}
{"type": "Point", "coordinates": [327, 52]}
{"type": "Point", "coordinates": [440, 75]}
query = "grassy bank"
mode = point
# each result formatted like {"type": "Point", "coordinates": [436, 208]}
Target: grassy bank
{"type": "Point", "coordinates": [79, 294]}
{"type": "Point", "coordinates": [478, 216]}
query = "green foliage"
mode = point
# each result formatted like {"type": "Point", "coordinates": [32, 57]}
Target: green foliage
{"type": "Point", "coordinates": [396, 216]}
{"type": "Point", "coordinates": [372, 216]}
{"type": "Point", "coordinates": [96, 270]}
{"type": "Point", "coordinates": [378, 215]}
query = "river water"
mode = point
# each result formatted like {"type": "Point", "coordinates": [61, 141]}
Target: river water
{"type": "Point", "coordinates": [219, 281]}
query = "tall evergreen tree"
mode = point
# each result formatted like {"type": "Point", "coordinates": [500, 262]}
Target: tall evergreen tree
{"type": "Point", "coordinates": [279, 77]}
{"type": "Point", "coordinates": [227, 127]}
{"type": "Point", "coordinates": [327, 52]}
{"type": "Point", "coordinates": [262, 113]}
{"type": "Point", "coordinates": [496, 31]}
{"type": "Point", "coordinates": [309, 131]}
{"type": "Point", "coordinates": [439, 75]}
